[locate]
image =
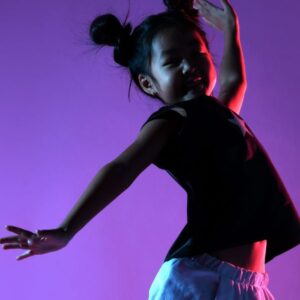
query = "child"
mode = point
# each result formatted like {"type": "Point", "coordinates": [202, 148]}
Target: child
{"type": "Point", "coordinates": [239, 212]}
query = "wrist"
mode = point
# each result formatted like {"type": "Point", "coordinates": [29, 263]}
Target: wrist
{"type": "Point", "coordinates": [232, 37]}
{"type": "Point", "coordinates": [66, 232]}
{"type": "Point", "coordinates": [232, 28]}
{"type": "Point", "coordinates": [231, 31]}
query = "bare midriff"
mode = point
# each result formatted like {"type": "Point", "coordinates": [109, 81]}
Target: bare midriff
{"type": "Point", "coordinates": [249, 256]}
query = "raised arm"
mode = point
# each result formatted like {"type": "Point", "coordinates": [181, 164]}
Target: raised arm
{"type": "Point", "coordinates": [233, 82]}
{"type": "Point", "coordinates": [112, 179]}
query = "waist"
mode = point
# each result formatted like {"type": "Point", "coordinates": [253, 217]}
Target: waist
{"type": "Point", "coordinates": [250, 256]}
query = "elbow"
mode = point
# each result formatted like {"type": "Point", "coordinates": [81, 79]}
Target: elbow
{"type": "Point", "coordinates": [237, 81]}
{"type": "Point", "coordinates": [232, 95]}
{"type": "Point", "coordinates": [239, 85]}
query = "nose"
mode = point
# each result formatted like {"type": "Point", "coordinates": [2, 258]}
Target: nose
{"type": "Point", "coordinates": [187, 67]}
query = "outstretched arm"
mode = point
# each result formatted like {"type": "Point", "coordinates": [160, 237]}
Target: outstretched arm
{"type": "Point", "coordinates": [114, 178]}
{"type": "Point", "coordinates": [233, 82]}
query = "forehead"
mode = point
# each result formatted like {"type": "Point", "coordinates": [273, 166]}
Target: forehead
{"type": "Point", "coordinates": [173, 39]}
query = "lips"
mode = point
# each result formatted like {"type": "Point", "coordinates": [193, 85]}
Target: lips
{"type": "Point", "coordinates": [195, 82]}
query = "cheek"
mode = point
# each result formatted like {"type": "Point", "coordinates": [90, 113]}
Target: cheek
{"type": "Point", "coordinates": [177, 83]}
{"type": "Point", "coordinates": [172, 79]}
{"type": "Point", "coordinates": [171, 86]}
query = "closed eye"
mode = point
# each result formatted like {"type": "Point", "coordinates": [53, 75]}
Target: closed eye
{"type": "Point", "coordinates": [172, 62]}
{"type": "Point", "coordinates": [175, 61]}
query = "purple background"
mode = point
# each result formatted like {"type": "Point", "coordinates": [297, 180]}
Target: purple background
{"type": "Point", "coordinates": [64, 114]}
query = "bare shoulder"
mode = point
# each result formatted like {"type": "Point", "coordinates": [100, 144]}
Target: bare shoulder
{"type": "Point", "coordinates": [148, 144]}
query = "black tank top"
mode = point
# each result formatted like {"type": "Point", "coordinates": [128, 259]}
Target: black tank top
{"type": "Point", "coordinates": [234, 194]}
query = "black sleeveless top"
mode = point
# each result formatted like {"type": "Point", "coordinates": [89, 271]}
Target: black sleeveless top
{"type": "Point", "coordinates": [235, 195]}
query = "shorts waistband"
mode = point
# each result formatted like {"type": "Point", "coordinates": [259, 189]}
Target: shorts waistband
{"type": "Point", "coordinates": [234, 272]}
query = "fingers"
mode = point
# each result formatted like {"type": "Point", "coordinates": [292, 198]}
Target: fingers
{"type": "Point", "coordinates": [23, 240]}
{"type": "Point", "coordinates": [15, 242]}
{"type": "Point", "coordinates": [207, 4]}
{"type": "Point", "coordinates": [15, 246]}
{"type": "Point", "coordinates": [19, 230]}
{"type": "Point", "coordinates": [20, 241]}
{"type": "Point", "coordinates": [207, 9]}
{"type": "Point", "coordinates": [25, 255]}
{"type": "Point", "coordinates": [9, 239]}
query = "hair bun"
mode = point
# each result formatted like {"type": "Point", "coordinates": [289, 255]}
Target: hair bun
{"type": "Point", "coordinates": [107, 30]}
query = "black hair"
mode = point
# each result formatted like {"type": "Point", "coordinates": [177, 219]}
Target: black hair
{"type": "Point", "coordinates": [133, 49]}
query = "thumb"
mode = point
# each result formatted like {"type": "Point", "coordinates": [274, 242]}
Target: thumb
{"type": "Point", "coordinates": [25, 255]}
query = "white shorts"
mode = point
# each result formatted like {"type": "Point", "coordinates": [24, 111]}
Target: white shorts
{"type": "Point", "coordinates": [205, 277]}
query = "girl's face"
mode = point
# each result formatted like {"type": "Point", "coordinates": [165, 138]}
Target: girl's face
{"type": "Point", "coordinates": [181, 65]}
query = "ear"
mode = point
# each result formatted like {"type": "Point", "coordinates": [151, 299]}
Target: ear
{"type": "Point", "coordinates": [147, 84]}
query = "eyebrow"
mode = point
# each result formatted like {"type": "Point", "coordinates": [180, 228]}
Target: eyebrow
{"type": "Point", "coordinates": [169, 51]}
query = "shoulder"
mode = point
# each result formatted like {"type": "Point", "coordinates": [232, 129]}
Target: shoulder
{"type": "Point", "coordinates": [146, 148]}
{"type": "Point", "coordinates": [175, 113]}
{"type": "Point", "coordinates": [162, 124]}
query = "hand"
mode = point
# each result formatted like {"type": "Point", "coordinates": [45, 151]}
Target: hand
{"type": "Point", "coordinates": [222, 19]}
{"type": "Point", "coordinates": [41, 242]}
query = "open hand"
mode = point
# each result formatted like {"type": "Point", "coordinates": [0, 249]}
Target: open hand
{"type": "Point", "coordinates": [41, 242]}
{"type": "Point", "coordinates": [221, 19]}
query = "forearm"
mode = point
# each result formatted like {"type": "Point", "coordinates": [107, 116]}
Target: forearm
{"type": "Point", "coordinates": [233, 82]}
{"type": "Point", "coordinates": [108, 183]}
{"type": "Point", "coordinates": [232, 67]}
